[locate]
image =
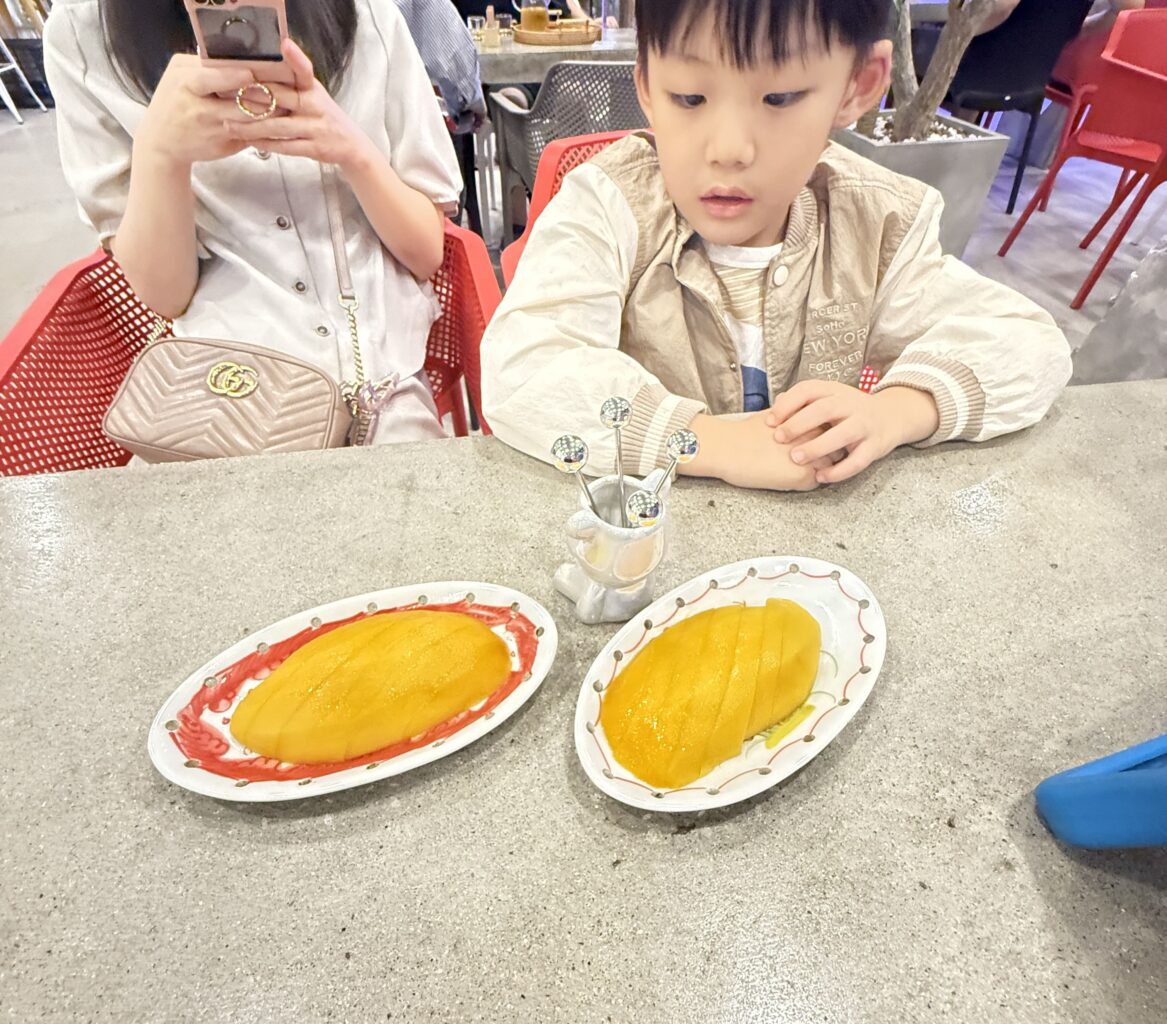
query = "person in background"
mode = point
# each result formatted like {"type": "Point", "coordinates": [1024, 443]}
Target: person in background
{"type": "Point", "coordinates": [998, 15]}
{"type": "Point", "coordinates": [451, 60]}
{"type": "Point", "coordinates": [734, 272]}
{"type": "Point", "coordinates": [1080, 54]}
{"type": "Point", "coordinates": [449, 56]}
{"type": "Point", "coordinates": [926, 35]}
{"type": "Point", "coordinates": [466, 8]}
{"type": "Point", "coordinates": [217, 216]}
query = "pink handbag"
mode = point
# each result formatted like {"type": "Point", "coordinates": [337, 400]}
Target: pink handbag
{"type": "Point", "coordinates": [197, 398]}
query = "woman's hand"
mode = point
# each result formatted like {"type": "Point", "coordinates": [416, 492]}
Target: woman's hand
{"type": "Point", "coordinates": [858, 428]}
{"type": "Point", "coordinates": [186, 120]}
{"type": "Point", "coordinates": [315, 125]}
{"type": "Point", "coordinates": [407, 222]}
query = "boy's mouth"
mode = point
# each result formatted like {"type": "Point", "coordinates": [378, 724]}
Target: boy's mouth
{"type": "Point", "coordinates": [727, 202]}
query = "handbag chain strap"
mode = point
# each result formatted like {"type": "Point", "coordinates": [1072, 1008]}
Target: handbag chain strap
{"type": "Point", "coordinates": [363, 397]}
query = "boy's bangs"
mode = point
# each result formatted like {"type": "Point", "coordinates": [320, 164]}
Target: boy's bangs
{"type": "Point", "coordinates": [750, 31]}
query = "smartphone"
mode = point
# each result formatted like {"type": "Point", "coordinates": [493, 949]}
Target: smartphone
{"type": "Point", "coordinates": [242, 34]}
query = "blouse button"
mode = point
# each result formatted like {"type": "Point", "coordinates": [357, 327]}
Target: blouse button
{"type": "Point", "coordinates": [780, 276]}
{"type": "Point", "coordinates": [263, 154]}
{"type": "Point", "coordinates": [283, 223]}
{"type": "Point", "coordinates": [300, 286]}
{"type": "Point", "coordinates": [322, 331]}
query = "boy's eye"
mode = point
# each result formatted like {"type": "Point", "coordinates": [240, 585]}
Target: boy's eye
{"type": "Point", "coordinates": [689, 100]}
{"type": "Point", "coordinates": [782, 99]}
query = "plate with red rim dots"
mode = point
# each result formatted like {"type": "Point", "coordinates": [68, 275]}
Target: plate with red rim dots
{"type": "Point", "coordinates": [190, 740]}
{"type": "Point", "coordinates": [854, 642]}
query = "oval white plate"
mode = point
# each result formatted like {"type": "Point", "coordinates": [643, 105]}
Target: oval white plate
{"type": "Point", "coordinates": [854, 641]}
{"type": "Point", "coordinates": [176, 766]}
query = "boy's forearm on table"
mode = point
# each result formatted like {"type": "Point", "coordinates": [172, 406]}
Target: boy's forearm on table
{"type": "Point", "coordinates": [912, 414]}
{"type": "Point", "coordinates": [714, 454]}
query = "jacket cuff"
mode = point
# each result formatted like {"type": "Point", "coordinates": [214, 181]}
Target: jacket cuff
{"type": "Point", "coordinates": [656, 413]}
{"type": "Point", "coordinates": [953, 386]}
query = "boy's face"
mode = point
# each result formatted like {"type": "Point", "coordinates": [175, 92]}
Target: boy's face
{"type": "Point", "coordinates": [737, 145]}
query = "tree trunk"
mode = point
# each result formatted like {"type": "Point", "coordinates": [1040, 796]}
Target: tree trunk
{"type": "Point", "coordinates": [914, 119]}
{"type": "Point", "coordinates": [903, 65]}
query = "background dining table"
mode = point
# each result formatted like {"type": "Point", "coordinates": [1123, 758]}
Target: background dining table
{"type": "Point", "coordinates": [520, 62]}
{"type": "Point", "coordinates": [901, 876]}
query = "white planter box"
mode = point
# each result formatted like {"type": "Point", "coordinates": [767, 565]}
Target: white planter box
{"type": "Point", "coordinates": [962, 170]}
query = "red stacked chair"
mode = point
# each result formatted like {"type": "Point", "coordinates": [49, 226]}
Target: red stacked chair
{"type": "Point", "coordinates": [1117, 119]}
{"type": "Point", "coordinates": [558, 159]}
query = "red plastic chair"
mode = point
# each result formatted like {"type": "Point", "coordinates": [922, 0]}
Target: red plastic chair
{"type": "Point", "coordinates": [557, 160]}
{"type": "Point", "coordinates": [65, 358]}
{"type": "Point", "coordinates": [1074, 78]}
{"type": "Point", "coordinates": [1121, 123]}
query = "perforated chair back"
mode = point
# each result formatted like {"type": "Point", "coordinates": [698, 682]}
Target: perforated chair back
{"type": "Point", "coordinates": [62, 363]}
{"type": "Point", "coordinates": [558, 159]}
{"type": "Point", "coordinates": [581, 98]}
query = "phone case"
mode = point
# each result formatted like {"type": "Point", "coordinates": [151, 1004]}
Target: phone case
{"type": "Point", "coordinates": [242, 34]}
{"type": "Point", "coordinates": [1116, 801]}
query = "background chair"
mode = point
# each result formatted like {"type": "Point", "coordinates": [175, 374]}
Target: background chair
{"type": "Point", "coordinates": [8, 65]}
{"type": "Point", "coordinates": [557, 160]}
{"type": "Point", "coordinates": [576, 98]}
{"type": "Point", "coordinates": [1074, 77]}
{"type": "Point", "coordinates": [1009, 67]}
{"type": "Point", "coordinates": [1121, 122]}
{"type": "Point", "coordinates": [62, 363]}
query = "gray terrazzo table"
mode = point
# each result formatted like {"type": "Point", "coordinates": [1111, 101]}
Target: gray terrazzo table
{"type": "Point", "coordinates": [900, 877]}
{"type": "Point", "coordinates": [522, 63]}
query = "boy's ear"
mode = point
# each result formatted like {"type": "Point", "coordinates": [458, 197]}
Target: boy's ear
{"type": "Point", "coordinates": [868, 84]}
{"type": "Point", "coordinates": [640, 74]}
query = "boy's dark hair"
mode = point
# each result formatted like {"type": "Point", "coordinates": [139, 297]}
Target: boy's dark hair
{"type": "Point", "coordinates": [664, 24]}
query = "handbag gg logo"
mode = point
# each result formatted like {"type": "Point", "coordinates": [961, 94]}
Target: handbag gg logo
{"type": "Point", "coordinates": [232, 380]}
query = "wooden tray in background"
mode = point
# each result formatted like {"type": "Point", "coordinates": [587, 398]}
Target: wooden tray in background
{"type": "Point", "coordinates": [565, 33]}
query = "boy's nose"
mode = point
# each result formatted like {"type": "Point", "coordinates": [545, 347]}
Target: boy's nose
{"type": "Point", "coordinates": [730, 144]}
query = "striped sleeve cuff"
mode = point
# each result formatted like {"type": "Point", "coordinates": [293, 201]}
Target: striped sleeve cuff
{"type": "Point", "coordinates": [953, 386]}
{"type": "Point", "coordinates": [656, 413]}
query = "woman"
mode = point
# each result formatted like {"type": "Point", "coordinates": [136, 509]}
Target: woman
{"type": "Point", "coordinates": [218, 218]}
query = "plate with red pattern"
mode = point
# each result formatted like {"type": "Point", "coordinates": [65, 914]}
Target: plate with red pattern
{"type": "Point", "coordinates": [191, 744]}
{"type": "Point", "coordinates": [854, 642]}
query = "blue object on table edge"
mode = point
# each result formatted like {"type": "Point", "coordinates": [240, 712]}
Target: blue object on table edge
{"type": "Point", "coordinates": [1116, 801]}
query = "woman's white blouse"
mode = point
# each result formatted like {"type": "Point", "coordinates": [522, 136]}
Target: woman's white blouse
{"type": "Point", "coordinates": [267, 273]}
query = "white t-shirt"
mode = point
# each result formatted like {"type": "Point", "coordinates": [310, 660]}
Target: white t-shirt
{"type": "Point", "coordinates": [267, 274]}
{"type": "Point", "coordinates": [742, 272]}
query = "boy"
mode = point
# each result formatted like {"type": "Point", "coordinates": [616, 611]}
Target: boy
{"type": "Point", "coordinates": [735, 262]}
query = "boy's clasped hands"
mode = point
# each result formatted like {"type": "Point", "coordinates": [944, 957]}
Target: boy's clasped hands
{"type": "Point", "coordinates": [818, 432]}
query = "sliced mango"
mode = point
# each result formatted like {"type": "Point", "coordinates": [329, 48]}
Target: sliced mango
{"type": "Point", "coordinates": [690, 698]}
{"type": "Point", "coordinates": [370, 684]}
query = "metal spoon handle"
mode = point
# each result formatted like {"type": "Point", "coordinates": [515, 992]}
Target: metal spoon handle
{"type": "Point", "coordinates": [620, 479]}
{"type": "Point", "coordinates": [587, 492]}
{"type": "Point", "coordinates": [667, 475]}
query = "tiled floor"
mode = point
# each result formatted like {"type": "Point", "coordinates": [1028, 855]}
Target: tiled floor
{"type": "Point", "coordinates": [39, 228]}
{"type": "Point", "coordinates": [40, 232]}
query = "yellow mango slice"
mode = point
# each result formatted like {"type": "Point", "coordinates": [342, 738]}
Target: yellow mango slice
{"type": "Point", "coordinates": [690, 698]}
{"type": "Point", "coordinates": [370, 684]}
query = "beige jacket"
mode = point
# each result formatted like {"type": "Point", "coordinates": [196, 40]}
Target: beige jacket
{"type": "Point", "coordinates": [615, 295]}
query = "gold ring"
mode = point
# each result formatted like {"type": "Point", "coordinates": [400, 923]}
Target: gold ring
{"type": "Point", "coordinates": [256, 115]}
